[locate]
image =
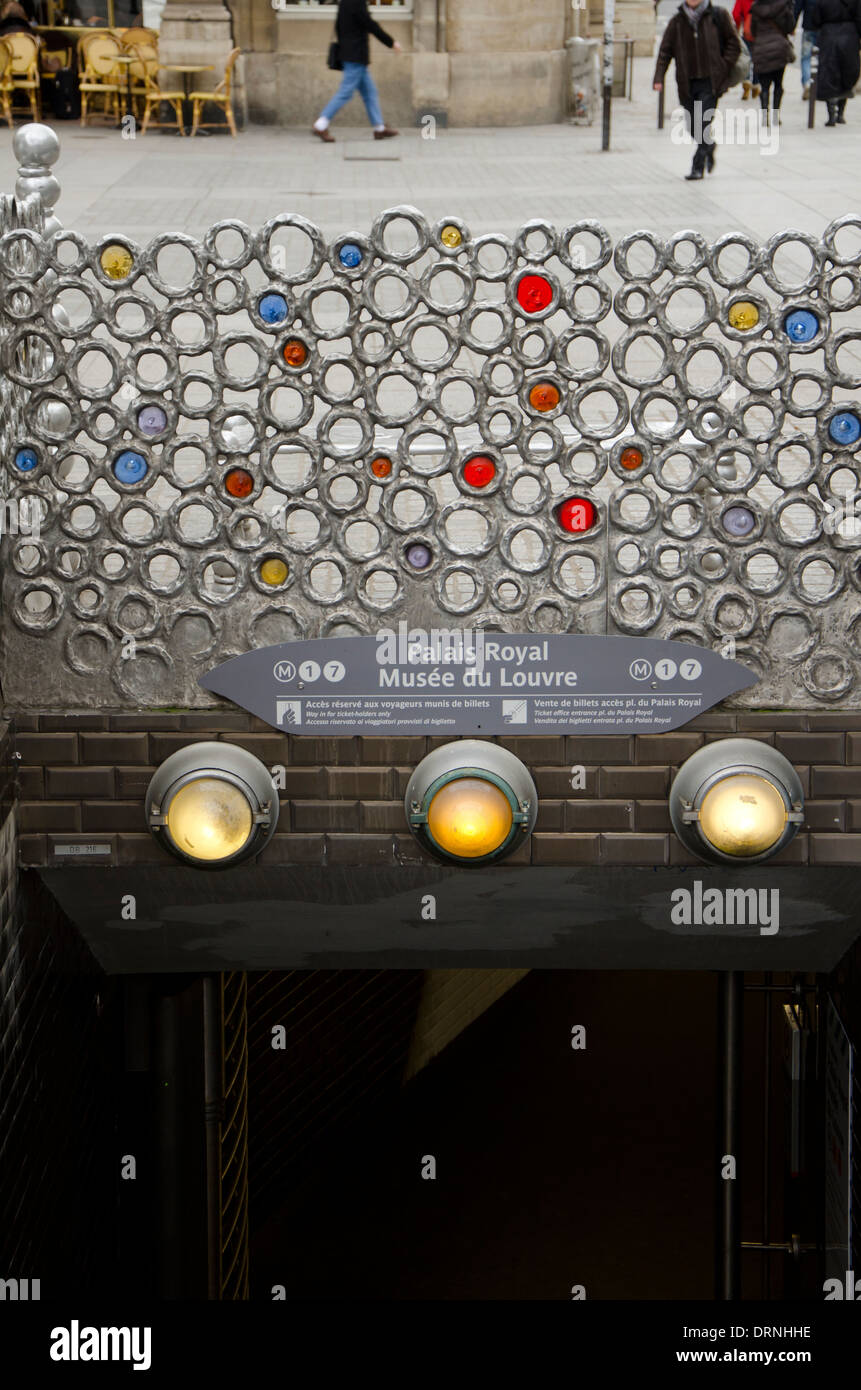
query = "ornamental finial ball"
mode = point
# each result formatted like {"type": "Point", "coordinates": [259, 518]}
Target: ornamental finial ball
{"type": "Point", "coordinates": [36, 145]}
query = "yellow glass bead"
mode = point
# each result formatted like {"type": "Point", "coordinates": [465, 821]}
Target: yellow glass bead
{"type": "Point", "coordinates": [116, 261]}
{"type": "Point", "coordinates": [450, 236]}
{"type": "Point", "coordinates": [743, 315]}
{"type": "Point", "coordinates": [273, 572]}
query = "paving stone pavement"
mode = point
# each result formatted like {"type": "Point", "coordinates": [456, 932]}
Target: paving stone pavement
{"type": "Point", "coordinates": [494, 179]}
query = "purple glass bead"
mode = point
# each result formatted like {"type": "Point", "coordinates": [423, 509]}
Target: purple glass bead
{"type": "Point", "coordinates": [419, 556]}
{"type": "Point", "coordinates": [739, 521]}
{"type": "Point", "coordinates": [151, 419]}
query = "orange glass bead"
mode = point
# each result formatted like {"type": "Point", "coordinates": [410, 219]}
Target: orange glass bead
{"type": "Point", "coordinates": [381, 467]}
{"type": "Point", "coordinates": [239, 483]}
{"type": "Point", "coordinates": [295, 353]}
{"type": "Point", "coordinates": [631, 459]}
{"type": "Point", "coordinates": [544, 396]}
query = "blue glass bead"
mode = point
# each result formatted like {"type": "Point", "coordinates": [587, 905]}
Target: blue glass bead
{"type": "Point", "coordinates": [26, 460]}
{"type": "Point", "coordinates": [350, 255]}
{"type": "Point", "coordinates": [130, 467]}
{"type": "Point", "coordinates": [272, 308]}
{"type": "Point", "coordinates": [801, 326]}
{"type": "Point", "coordinates": [845, 428]}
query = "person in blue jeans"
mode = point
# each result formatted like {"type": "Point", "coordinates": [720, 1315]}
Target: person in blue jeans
{"type": "Point", "coordinates": [808, 42]}
{"type": "Point", "coordinates": [352, 26]}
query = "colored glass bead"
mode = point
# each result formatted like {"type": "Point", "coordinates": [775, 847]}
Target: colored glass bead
{"type": "Point", "coordinates": [130, 466]}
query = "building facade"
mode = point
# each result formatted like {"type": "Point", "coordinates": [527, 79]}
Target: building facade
{"type": "Point", "coordinates": [465, 62]}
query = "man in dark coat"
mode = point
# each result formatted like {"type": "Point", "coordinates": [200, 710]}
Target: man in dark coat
{"type": "Point", "coordinates": [353, 26]}
{"type": "Point", "coordinates": [771, 23]}
{"type": "Point", "coordinates": [701, 37]}
{"type": "Point", "coordinates": [838, 23]}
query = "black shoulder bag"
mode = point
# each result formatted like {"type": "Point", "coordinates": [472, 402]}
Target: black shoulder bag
{"type": "Point", "coordinates": [333, 60]}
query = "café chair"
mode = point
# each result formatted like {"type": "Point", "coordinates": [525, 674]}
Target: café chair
{"type": "Point", "coordinates": [6, 81]}
{"type": "Point", "coordinates": [100, 76]}
{"type": "Point", "coordinates": [220, 96]}
{"type": "Point", "coordinates": [25, 69]}
{"type": "Point", "coordinates": [154, 95]}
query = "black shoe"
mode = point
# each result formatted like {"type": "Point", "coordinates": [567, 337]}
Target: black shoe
{"type": "Point", "coordinates": [694, 174]}
{"type": "Point", "coordinates": [841, 112]}
{"type": "Point", "coordinates": [832, 113]}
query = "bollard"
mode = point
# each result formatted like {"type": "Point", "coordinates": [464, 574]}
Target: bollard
{"type": "Point", "coordinates": [661, 108]}
{"type": "Point", "coordinates": [36, 147]}
{"type": "Point", "coordinates": [811, 101]}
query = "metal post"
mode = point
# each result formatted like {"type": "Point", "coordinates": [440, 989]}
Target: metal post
{"type": "Point", "coordinates": [609, 19]}
{"type": "Point", "coordinates": [730, 1014]}
{"type": "Point", "coordinates": [661, 108]}
{"type": "Point", "coordinates": [213, 1107]}
{"type": "Point", "coordinates": [811, 102]}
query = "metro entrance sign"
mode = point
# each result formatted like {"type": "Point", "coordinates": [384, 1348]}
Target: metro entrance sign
{"type": "Point", "coordinates": [463, 681]}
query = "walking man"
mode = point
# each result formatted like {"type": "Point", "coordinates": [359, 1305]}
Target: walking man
{"type": "Point", "coordinates": [352, 27]}
{"type": "Point", "coordinates": [702, 39]}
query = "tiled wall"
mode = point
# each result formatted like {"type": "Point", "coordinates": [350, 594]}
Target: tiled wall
{"type": "Point", "coordinates": [83, 778]}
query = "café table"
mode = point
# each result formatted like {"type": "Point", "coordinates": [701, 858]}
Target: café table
{"type": "Point", "coordinates": [187, 70]}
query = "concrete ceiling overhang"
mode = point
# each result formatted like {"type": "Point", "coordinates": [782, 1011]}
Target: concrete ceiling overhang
{"type": "Point", "coordinates": [253, 918]}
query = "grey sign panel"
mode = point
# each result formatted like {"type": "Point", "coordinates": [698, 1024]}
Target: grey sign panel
{"type": "Point", "coordinates": [451, 681]}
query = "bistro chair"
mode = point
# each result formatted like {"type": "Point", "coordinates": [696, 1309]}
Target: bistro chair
{"type": "Point", "coordinates": [25, 69]}
{"type": "Point", "coordinates": [220, 96]}
{"type": "Point", "coordinates": [154, 95]}
{"type": "Point", "coordinates": [6, 80]}
{"type": "Point", "coordinates": [100, 77]}
{"type": "Point", "coordinates": [138, 37]}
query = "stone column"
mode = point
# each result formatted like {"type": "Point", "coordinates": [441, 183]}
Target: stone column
{"type": "Point", "coordinates": [200, 31]}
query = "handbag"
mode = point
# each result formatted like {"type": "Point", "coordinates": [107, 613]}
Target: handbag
{"type": "Point", "coordinates": [740, 70]}
{"type": "Point", "coordinates": [333, 59]}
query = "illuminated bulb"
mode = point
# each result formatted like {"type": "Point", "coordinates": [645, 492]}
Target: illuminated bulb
{"type": "Point", "coordinates": [743, 815]}
{"type": "Point", "coordinates": [273, 572]}
{"type": "Point", "coordinates": [209, 819]}
{"type": "Point", "coordinates": [743, 315]}
{"type": "Point", "coordinates": [469, 818]}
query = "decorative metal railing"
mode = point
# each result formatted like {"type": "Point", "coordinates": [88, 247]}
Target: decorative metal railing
{"type": "Point", "coordinates": [261, 434]}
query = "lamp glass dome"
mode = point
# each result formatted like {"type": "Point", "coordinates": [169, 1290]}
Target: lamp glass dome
{"type": "Point", "coordinates": [743, 815]}
{"type": "Point", "coordinates": [469, 817]}
{"type": "Point", "coordinates": [209, 819]}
